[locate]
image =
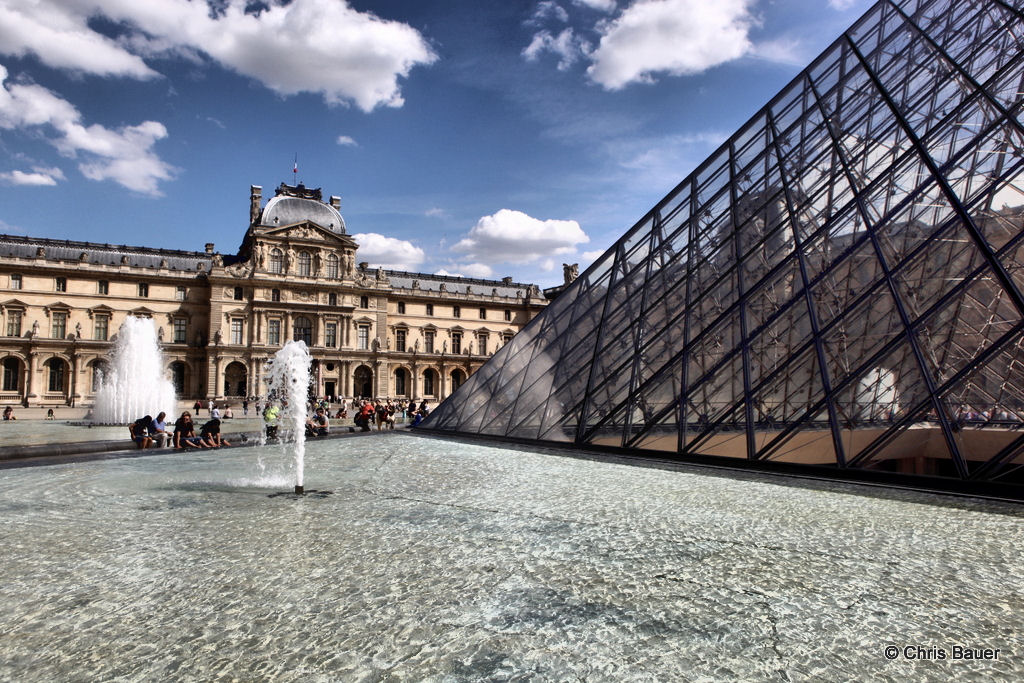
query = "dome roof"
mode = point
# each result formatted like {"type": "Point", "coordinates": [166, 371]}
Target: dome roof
{"type": "Point", "coordinates": [285, 210]}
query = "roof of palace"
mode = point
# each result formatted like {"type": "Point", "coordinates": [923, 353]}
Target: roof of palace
{"type": "Point", "coordinates": [102, 254]}
{"type": "Point", "coordinates": [296, 204]}
{"type": "Point", "coordinates": [456, 285]}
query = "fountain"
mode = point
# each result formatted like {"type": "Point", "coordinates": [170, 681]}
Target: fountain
{"type": "Point", "coordinates": [289, 381]}
{"type": "Point", "coordinates": [136, 383]}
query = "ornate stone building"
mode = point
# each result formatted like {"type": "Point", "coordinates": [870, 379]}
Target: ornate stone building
{"type": "Point", "coordinates": [372, 332]}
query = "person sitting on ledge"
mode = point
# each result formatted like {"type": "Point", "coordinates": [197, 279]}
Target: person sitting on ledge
{"type": "Point", "coordinates": [227, 413]}
{"type": "Point", "coordinates": [158, 431]}
{"type": "Point", "coordinates": [140, 431]}
{"type": "Point", "coordinates": [185, 433]}
{"type": "Point", "coordinates": [210, 433]}
{"type": "Point", "coordinates": [49, 414]}
{"type": "Point", "coordinates": [9, 413]}
{"type": "Point", "coordinates": [318, 425]}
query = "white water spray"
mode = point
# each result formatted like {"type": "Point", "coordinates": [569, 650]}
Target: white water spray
{"type": "Point", "coordinates": [289, 380]}
{"type": "Point", "coordinates": [135, 383]}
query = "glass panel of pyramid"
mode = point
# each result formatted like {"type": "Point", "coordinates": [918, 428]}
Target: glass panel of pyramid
{"type": "Point", "coordinates": [838, 286]}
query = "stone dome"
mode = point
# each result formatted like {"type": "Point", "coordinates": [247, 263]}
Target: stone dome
{"type": "Point", "coordinates": [285, 210]}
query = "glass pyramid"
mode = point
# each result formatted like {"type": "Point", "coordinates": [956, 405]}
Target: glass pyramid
{"type": "Point", "coordinates": [838, 287]}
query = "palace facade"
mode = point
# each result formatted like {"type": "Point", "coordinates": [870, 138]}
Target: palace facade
{"type": "Point", "coordinates": [221, 317]}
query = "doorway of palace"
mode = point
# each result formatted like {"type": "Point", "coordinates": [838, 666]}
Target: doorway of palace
{"type": "Point", "coordinates": [362, 382]}
{"type": "Point", "coordinates": [234, 379]}
{"type": "Point", "coordinates": [329, 388]}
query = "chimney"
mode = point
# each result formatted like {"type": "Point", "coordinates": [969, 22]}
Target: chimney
{"type": "Point", "coordinates": [336, 202]}
{"type": "Point", "coordinates": [209, 247]}
{"type": "Point", "coordinates": [255, 197]}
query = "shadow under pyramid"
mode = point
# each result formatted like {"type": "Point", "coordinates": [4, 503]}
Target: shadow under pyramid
{"type": "Point", "coordinates": [835, 291]}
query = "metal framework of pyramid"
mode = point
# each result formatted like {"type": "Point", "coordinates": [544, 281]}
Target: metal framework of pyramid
{"type": "Point", "coordinates": [838, 287]}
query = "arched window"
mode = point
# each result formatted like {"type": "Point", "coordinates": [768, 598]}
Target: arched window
{"type": "Point", "coordinates": [429, 382]}
{"type": "Point", "coordinates": [276, 261]}
{"type": "Point", "coordinates": [332, 267]}
{"type": "Point", "coordinates": [305, 263]}
{"type": "Point", "coordinates": [57, 375]}
{"type": "Point", "coordinates": [99, 370]}
{"type": "Point", "coordinates": [303, 330]}
{"type": "Point", "coordinates": [458, 377]}
{"type": "Point", "coordinates": [178, 377]}
{"type": "Point", "coordinates": [12, 373]}
{"type": "Point", "coordinates": [401, 383]}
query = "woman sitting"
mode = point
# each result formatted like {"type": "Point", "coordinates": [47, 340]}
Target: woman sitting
{"type": "Point", "coordinates": [210, 434]}
{"type": "Point", "coordinates": [185, 433]}
{"type": "Point", "coordinates": [140, 431]}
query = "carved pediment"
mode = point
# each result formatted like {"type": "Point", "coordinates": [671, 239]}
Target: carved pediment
{"type": "Point", "coordinates": [308, 231]}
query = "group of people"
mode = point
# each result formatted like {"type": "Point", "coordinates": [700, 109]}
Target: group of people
{"type": "Point", "coordinates": [147, 431]}
{"type": "Point", "coordinates": [382, 413]}
{"type": "Point", "coordinates": [214, 410]}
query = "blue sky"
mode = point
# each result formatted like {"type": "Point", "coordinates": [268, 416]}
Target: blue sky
{"type": "Point", "coordinates": [466, 137]}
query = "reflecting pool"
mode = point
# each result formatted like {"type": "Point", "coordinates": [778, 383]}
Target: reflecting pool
{"type": "Point", "coordinates": [436, 560]}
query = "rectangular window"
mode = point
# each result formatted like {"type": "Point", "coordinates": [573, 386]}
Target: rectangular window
{"type": "Point", "coordinates": [364, 302]}
{"type": "Point", "coordinates": [457, 311]}
{"type": "Point", "coordinates": [506, 338]}
{"type": "Point", "coordinates": [103, 287]}
{"type": "Point", "coordinates": [179, 293]}
{"type": "Point", "coordinates": [481, 344]}
{"type": "Point", "coordinates": [331, 335]}
{"type": "Point", "coordinates": [143, 289]}
{"type": "Point", "coordinates": [180, 330]}
{"type": "Point", "coordinates": [274, 332]}
{"type": "Point", "coordinates": [456, 342]}
{"type": "Point", "coordinates": [238, 293]}
{"type": "Point", "coordinates": [430, 309]}
{"type": "Point", "coordinates": [483, 314]}
{"type": "Point", "coordinates": [100, 324]}
{"type": "Point", "coordinates": [61, 284]}
{"type": "Point", "coordinates": [428, 341]}
{"type": "Point", "coordinates": [508, 315]}
{"type": "Point", "coordinates": [332, 299]}
{"type": "Point", "coordinates": [275, 295]}
{"type": "Point", "coordinates": [13, 323]}
{"type": "Point", "coordinates": [236, 330]}
{"type": "Point", "coordinates": [401, 307]}
{"type": "Point", "coordinates": [363, 338]}
{"type": "Point", "coordinates": [16, 281]}
{"type": "Point", "coordinates": [400, 340]}
{"type": "Point", "coordinates": [59, 325]}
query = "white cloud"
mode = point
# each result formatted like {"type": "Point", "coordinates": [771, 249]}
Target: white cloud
{"type": "Point", "coordinates": [548, 9]}
{"type": "Point", "coordinates": [841, 5]}
{"type": "Point", "coordinates": [387, 252]}
{"type": "Point", "coordinates": [566, 45]}
{"type": "Point", "coordinates": [514, 237]}
{"type": "Point", "coordinates": [782, 51]}
{"type": "Point", "coordinates": [478, 270]}
{"type": "Point", "coordinates": [677, 37]}
{"type": "Point", "coordinates": [435, 212]}
{"type": "Point", "coordinates": [317, 46]}
{"type": "Point", "coordinates": [589, 257]}
{"type": "Point", "coordinates": [57, 33]}
{"type": "Point", "coordinates": [38, 176]}
{"type": "Point", "coordinates": [346, 141]}
{"type": "Point", "coordinates": [600, 5]}
{"type": "Point", "coordinates": [124, 155]}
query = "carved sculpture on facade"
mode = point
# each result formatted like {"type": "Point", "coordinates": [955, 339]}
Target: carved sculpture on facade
{"type": "Point", "coordinates": [78, 330]}
{"type": "Point", "coordinates": [570, 272]}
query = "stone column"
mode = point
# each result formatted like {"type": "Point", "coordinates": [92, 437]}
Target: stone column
{"type": "Point", "coordinates": [76, 382]}
{"type": "Point", "coordinates": [442, 392]}
{"type": "Point", "coordinates": [414, 383]}
{"type": "Point", "coordinates": [30, 376]}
